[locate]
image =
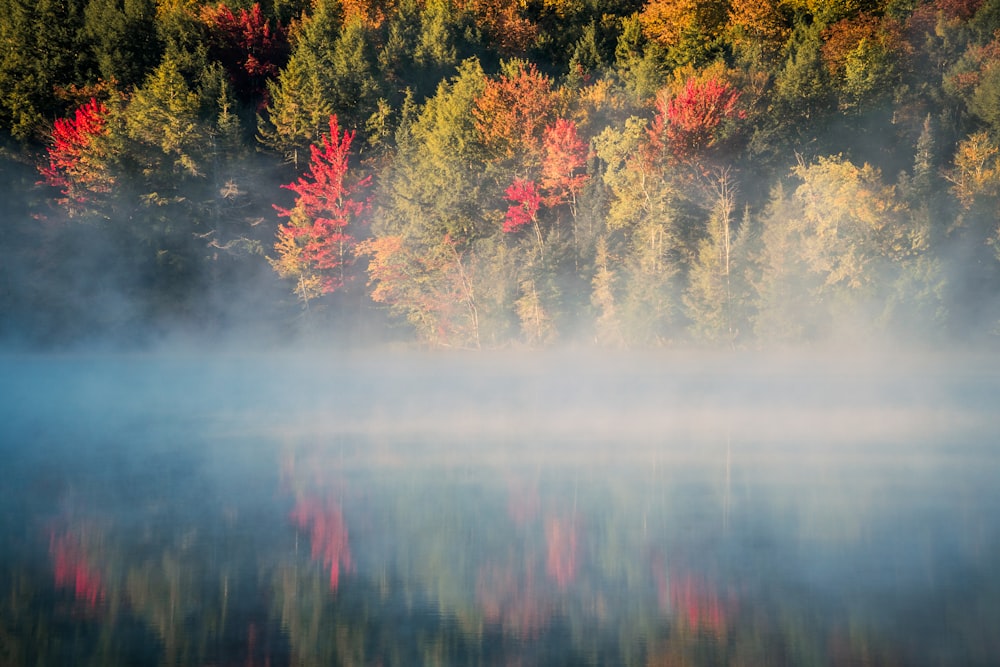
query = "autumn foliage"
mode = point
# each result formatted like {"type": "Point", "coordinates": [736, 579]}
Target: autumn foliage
{"type": "Point", "coordinates": [503, 19]}
{"type": "Point", "coordinates": [563, 163]}
{"type": "Point", "coordinates": [75, 160]}
{"type": "Point", "coordinates": [432, 287]}
{"type": "Point", "coordinates": [695, 120]}
{"type": "Point", "coordinates": [564, 157]}
{"type": "Point", "coordinates": [542, 171]}
{"type": "Point", "coordinates": [318, 241]}
{"type": "Point", "coordinates": [513, 111]}
{"type": "Point", "coordinates": [525, 202]}
{"type": "Point", "coordinates": [251, 50]}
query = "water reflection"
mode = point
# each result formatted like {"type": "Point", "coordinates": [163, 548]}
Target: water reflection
{"type": "Point", "coordinates": [241, 535]}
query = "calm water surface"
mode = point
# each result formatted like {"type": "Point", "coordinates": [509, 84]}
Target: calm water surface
{"type": "Point", "coordinates": [466, 510]}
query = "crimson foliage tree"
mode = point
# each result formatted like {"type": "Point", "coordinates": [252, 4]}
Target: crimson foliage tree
{"type": "Point", "coordinates": [695, 120]}
{"type": "Point", "coordinates": [75, 163]}
{"type": "Point", "coordinates": [525, 202]}
{"type": "Point", "coordinates": [316, 246]}
{"type": "Point", "coordinates": [251, 50]}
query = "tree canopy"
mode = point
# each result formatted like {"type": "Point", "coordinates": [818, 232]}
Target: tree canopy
{"type": "Point", "coordinates": [490, 173]}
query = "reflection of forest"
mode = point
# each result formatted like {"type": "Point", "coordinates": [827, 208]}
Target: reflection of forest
{"type": "Point", "coordinates": [380, 564]}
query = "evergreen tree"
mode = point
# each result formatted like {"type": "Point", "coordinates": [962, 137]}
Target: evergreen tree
{"type": "Point", "coordinates": [40, 53]}
{"type": "Point", "coordinates": [123, 38]}
{"type": "Point", "coordinates": [302, 98]}
{"type": "Point", "coordinates": [352, 81]}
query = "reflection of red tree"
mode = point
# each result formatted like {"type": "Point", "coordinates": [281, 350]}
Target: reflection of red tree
{"type": "Point", "coordinates": [511, 600]}
{"type": "Point", "coordinates": [72, 570]}
{"type": "Point", "coordinates": [693, 601]}
{"type": "Point", "coordinates": [696, 604]}
{"type": "Point", "coordinates": [560, 537]}
{"type": "Point", "coordinates": [327, 533]}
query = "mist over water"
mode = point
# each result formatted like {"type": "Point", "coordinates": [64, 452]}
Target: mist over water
{"type": "Point", "coordinates": [391, 507]}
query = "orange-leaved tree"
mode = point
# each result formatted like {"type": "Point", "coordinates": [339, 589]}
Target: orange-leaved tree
{"type": "Point", "coordinates": [316, 246]}
{"type": "Point", "coordinates": [513, 110]}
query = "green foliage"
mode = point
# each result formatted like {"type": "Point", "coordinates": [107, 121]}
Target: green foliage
{"type": "Point", "coordinates": [302, 97]}
{"type": "Point", "coordinates": [833, 250]}
{"type": "Point", "coordinates": [803, 96]}
{"type": "Point", "coordinates": [352, 82]}
{"type": "Point", "coordinates": [39, 53]}
{"type": "Point", "coordinates": [985, 100]}
{"type": "Point", "coordinates": [435, 48]}
{"type": "Point", "coordinates": [163, 116]}
{"type": "Point", "coordinates": [184, 36]}
{"type": "Point", "coordinates": [123, 38]}
{"type": "Point", "coordinates": [641, 64]}
{"type": "Point", "coordinates": [716, 293]}
{"type": "Point", "coordinates": [433, 188]}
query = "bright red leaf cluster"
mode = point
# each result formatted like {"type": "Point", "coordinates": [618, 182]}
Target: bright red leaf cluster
{"type": "Point", "coordinates": [690, 122]}
{"type": "Point", "coordinates": [326, 208]}
{"type": "Point", "coordinates": [248, 47]}
{"type": "Point", "coordinates": [526, 202]}
{"type": "Point", "coordinates": [74, 166]}
{"type": "Point", "coordinates": [72, 570]}
{"type": "Point", "coordinates": [564, 157]}
{"type": "Point", "coordinates": [324, 522]}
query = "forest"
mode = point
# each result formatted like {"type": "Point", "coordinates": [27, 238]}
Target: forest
{"type": "Point", "coordinates": [499, 173]}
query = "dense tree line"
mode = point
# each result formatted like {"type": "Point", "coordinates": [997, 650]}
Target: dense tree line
{"type": "Point", "coordinates": [488, 173]}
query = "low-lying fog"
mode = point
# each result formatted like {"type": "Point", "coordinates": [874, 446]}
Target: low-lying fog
{"type": "Point", "coordinates": [887, 395]}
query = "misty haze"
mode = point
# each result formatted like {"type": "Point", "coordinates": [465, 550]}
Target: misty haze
{"type": "Point", "coordinates": [433, 508]}
{"type": "Point", "coordinates": [481, 332]}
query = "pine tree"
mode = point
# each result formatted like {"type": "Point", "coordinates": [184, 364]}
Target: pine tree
{"type": "Point", "coordinates": [123, 38]}
{"type": "Point", "coordinates": [302, 98]}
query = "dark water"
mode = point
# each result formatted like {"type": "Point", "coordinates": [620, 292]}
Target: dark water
{"type": "Point", "coordinates": [466, 510]}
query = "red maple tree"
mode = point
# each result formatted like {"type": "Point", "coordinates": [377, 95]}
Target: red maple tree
{"type": "Point", "coordinates": [694, 121]}
{"type": "Point", "coordinates": [251, 50]}
{"type": "Point", "coordinates": [326, 209]}
{"type": "Point", "coordinates": [75, 161]}
{"type": "Point", "coordinates": [525, 204]}
{"type": "Point", "coordinates": [564, 156]}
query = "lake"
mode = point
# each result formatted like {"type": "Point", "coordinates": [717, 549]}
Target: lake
{"type": "Point", "coordinates": [573, 508]}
